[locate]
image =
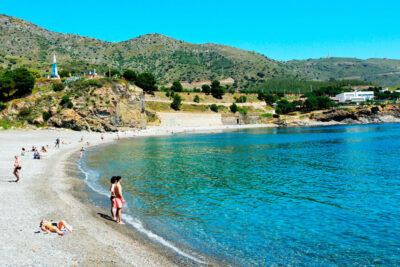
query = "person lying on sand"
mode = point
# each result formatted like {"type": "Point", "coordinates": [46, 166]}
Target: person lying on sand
{"type": "Point", "coordinates": [43, 149]}
{"type": "Point", "coordinates": [59, 228]}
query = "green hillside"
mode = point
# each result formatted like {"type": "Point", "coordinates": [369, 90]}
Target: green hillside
{"type": "Point", "coordinates": [25, 44]}
{"type": "Point", "coordinates": [385, 72]}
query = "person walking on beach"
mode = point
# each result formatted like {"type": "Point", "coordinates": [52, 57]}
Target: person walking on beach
{"type": "Point", "coordinates": [17, 168]}
{"type": "Point", "coordinates": [57, 143]}
{"type": "Point", "coordinates": [119, 199]}
{"type": "Point", "coordinates": [112, 197]}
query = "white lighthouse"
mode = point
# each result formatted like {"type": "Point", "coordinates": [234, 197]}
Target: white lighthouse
{"type": "Point", "coordinates": [54, 71]}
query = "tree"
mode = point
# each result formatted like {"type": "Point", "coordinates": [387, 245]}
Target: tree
{"type": "Point", "coordinates": [7, 86]}
{"type": "Point", "coordinates": [176, 103]}
{"type": "Point", "coordinates": [147, 82]}
{"type": "Point", "coordinates": [217, 90]}
{"type": "Point", "coordinates": [24, 81]}
{"type": "Point", "coordinates": [234, 108]}
{"type": "Point", "coordinates": [270, 99]}
{"type": "Point", "coordinates": [196, 99]}
{"type": "Point", "coordinates": [214, 107]}
{"type": "Point", "coordinates": [311, 103]}
{"type": "Point", "coordinates": [130, 75]}
{"type": "Point", "coordinates": [177, 86]}
{"type": "Point", "coordinates": [206, 89]}
{"type": "Point", "coordinates": [324, 102]}
{"type": "Point", "coordinates": [284, 107]}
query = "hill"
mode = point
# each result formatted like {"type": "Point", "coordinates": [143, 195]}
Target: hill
{"type": "Point", "coordinates": [24, 44]}
{"type": "Point", "coordinates": [384, 72]}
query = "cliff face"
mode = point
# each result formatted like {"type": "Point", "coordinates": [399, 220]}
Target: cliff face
{"type": "Point", "coordinates": [94, 108]}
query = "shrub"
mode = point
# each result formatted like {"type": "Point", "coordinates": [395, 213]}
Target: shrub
{"type": "Point", "coordinates": [70, 104]}
{"type": "Point", "coordinates": [2, 106]}
{"type": "Point", "coordinates": [58, 87]}
{"type": "Point", "coordinates": [64, 73]}
{"type": "Point", "coordinates": [94, 83]}
{"type": "Point", "coordinates": [46, 115]}
{"type": "Point", "coordinates": [243, 110]}
{"type": "Point", "coordinates": [198, 90]}
{"type": "Point", "coordinates": [214, 107]}
{"type": "Point", "coordinates": [241, 99]}
{"type": "Point", "coordinates": [196, 99]}
{"type": "Point", "coordinates": [233, 108]}
{"type": "Point", "coordinates": [25, 111]}
{"type": "Point", "coordinates": [35, 73]}
{"type": "Point", "coordinates": [64, 99]}
{"type": "Point", "coordinates": [231, 91]}
{"type": "Point", "coordinates": [176, 103]}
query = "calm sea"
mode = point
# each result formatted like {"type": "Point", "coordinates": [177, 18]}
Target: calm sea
{"type": "Point", "coordinates": [299, 196]}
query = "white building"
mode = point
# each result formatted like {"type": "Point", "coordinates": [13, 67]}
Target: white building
{"type": "Point", "coordinates": [355, 96]}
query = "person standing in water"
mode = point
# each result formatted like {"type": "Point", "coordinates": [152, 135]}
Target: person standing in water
{"type": "Point", "coordinates": [112, 197]}
{"type": "Point", "coordinates": [17, 168]}
{"type": "Point", "coordinates": [119, 199]}
{"type": "Point", "coordinates": [57, 143]}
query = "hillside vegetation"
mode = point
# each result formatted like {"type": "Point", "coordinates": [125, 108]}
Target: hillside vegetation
{"type": "Point", "coordinates": [23, 44]}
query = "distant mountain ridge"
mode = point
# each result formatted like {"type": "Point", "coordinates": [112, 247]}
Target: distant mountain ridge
{"type": "Point", "coordinates": [24, 44]}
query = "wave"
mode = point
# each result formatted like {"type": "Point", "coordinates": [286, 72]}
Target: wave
{"type": "Point", "coordinates": [135, 222]}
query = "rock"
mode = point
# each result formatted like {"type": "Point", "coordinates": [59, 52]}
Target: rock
{"type": "Point", "coordinates": [39, 120]}
{"type": "Point", "coordinates": [53, 111]}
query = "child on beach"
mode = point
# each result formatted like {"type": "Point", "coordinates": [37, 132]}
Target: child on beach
{"type": "Point", "coordinates": [59, 228]}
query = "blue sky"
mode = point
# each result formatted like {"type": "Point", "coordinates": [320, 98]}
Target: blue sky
{"type": "Point", "coordinates": [281, 30]}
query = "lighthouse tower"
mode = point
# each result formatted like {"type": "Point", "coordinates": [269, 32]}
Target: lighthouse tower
{"type": "Point", "coordinates": [54, 71]}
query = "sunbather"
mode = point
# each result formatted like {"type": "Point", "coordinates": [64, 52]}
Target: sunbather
{"type": "Point", "coordinates": [54, 227]}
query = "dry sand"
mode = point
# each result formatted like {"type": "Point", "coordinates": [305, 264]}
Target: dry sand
{"type": "Point", "coordinates": [50, 189]}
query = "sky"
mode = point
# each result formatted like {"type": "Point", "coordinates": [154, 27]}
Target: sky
{"type": "Point", "coordinates": [280, 29]}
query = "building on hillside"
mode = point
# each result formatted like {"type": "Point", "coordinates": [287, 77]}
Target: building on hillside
{"type": "Point", "coordinates": [355, 96]}
{"type": "Point", "coordinates": [54, 71]}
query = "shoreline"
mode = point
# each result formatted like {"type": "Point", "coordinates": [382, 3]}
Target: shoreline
{"type": "Point", "coordinates": [51, 189]}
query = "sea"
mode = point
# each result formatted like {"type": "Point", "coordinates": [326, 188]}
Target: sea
{"type": "Point", "coordinates": [257, 197]}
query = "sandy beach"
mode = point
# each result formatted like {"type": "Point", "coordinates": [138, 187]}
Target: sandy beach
{"type": "Point", "coordinates": [50, 189]}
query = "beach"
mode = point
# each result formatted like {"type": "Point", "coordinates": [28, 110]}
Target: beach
{"type": "Point", "coordinates": [50, 188]}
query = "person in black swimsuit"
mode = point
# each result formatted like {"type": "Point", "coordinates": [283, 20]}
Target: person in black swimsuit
{"type": "Point", "coordinates": [112, 197]}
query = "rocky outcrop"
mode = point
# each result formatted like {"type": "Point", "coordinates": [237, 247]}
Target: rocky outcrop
{"type": "Point", "coordinates": [375, 114]}
{"type": "Point", "coordinates": [102, 107]}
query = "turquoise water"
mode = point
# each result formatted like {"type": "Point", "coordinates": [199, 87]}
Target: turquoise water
{"type": "Point", "coordinates": [299, 196]}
